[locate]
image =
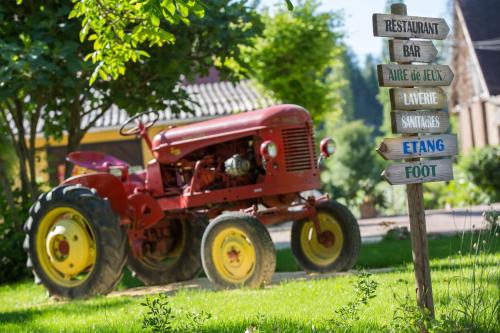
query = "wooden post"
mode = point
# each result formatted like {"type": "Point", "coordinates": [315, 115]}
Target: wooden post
{"type": "Point", "coordinates": [418, 230]}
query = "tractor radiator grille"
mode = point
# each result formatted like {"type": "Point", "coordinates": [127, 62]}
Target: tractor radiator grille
{"type": "Point", "coordinates": [299, 149]}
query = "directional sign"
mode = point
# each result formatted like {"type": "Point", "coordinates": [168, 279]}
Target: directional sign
{"type": "Point", "coordinates": [414, 75]}
{"type": "Point", "coordinates": [417, 98]}
{"type": "Point", "coordinates": [411, 122]}
{"type": "Point", "coordinates": [412, 50]}
{"type": "Point", "coordinates": [418, 146]}
{"type": "Point", "coordinates": [419, 172]}
{"type": "Point", "coordinates": [390, 25]}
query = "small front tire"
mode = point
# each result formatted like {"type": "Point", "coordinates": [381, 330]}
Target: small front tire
{"type": "Point", "coordinates": [237, 250]}
{"type": "Point", "coordinates": [341, 254]}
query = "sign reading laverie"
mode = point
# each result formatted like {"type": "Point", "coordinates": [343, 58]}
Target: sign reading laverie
{"type": "Point", "coordinates": [417, 98]}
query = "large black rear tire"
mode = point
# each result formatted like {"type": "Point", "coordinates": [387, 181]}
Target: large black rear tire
{"type": "Point", "coordinates": [65, 224]}
{"type": "Point", "coordinates": [184, 265]}
{"type": "Point", "coordinates": [313, 256]}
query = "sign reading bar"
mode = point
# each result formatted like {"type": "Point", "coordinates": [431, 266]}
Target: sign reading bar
{"type": "Point", "coordinates": [417, 98]}
{"type": "Point", "coordinates": [411, 122]}
{"type": "Point", "coordinates": [414, 75]}
{"type": "Point", "coordinates": [401, 26]}
{"type": "Point", "coordinates": [419, 172]}
{"type": "Point", "coordinates": [418, 146]}
{"type": "Point", "coordinates": [412, 50]}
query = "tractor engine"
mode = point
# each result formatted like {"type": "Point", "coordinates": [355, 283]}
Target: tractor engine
{"type": "Point", "coordinates": [224, 165]}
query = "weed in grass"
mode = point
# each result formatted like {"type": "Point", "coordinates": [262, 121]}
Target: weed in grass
{"type": "Point", "coordinates": [160, 317]}
{"type": "Point", "coordinates": [364, 290]}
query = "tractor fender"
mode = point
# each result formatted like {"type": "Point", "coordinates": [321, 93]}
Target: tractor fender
{"type": "Point", "coordinates": [106, 186]}
{"type": "Point", "coordinates": [147, 211]}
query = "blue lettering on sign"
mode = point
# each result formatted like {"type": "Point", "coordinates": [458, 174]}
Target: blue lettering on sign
{"type": "Point", "coordinates": [423, 146]}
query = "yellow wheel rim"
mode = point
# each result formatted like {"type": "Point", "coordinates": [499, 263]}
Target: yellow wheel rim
{"type": "Point", "coordinates": [316, 252]}
{"type": "Point", "coordinates": [65, 246]}
{"type": "Point", "coordinates": [233, 255]}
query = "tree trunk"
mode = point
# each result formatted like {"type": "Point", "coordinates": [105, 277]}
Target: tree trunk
{"type": "Point", "coordinates": [6, 189]}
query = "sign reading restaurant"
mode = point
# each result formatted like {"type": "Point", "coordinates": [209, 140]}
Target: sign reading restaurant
{"type": "Point", "coordinates": [391, 25]}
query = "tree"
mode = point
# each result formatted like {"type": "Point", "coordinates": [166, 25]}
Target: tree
{"type": "Point", "coordinates": [297, 57]}
{"type": "Point", "coordinates": [43, 74]}
{"type": "Point", "coordinates": [122, 30]}
{"type": "Point", "coordinates": [355, 168]}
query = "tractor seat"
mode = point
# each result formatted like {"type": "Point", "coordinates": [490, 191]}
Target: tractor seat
{"type": "Point", "coordinates": [95, 161]}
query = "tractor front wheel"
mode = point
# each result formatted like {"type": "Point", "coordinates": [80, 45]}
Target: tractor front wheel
{"type": "Point", "coordinates": [180, 261]}
{"type": "Point", "coordinates": [237, 250]}
{"type": "Point", "coordinates": [338, 246]}
{"type": "Point", "coordinates": [75, 245]}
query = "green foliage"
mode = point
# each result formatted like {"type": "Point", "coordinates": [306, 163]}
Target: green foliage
{"type": "Point", "coordinates": [297, 56]}
{"type": "Point", "coordinates": [476, 181]}
{"type": "Point", "coordinates": [121, 29]}
{"type": "Point", "coordinates": [365, 288]}
{"type": "Point", "coordinates": [354, 171]}
{"type": "Point", "coordinates": [483, 168]}
{"type": "Point", "coordinates": [160, 317]}
{"type": "Point", "coordinates": [12, 255]}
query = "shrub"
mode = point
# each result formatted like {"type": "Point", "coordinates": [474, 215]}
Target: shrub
{"type": "Point", "coordinates": [483, 168]}
{"type": "Point", "coordinates": [12, 255]}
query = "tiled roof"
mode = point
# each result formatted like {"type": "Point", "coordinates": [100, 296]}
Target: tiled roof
{"type": "Point", "coordinates": [209, 100]}
{"type": "Point", "coordinates": [481, 18]}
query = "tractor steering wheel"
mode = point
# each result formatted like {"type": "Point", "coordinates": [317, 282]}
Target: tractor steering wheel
{"type": "Point", "coordinates": [139, 125]}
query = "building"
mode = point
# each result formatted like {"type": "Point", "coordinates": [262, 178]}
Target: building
{"type": "Point", "coordinates": [475, 92]}
{"type": "Point", "coordinates": [210, 98]}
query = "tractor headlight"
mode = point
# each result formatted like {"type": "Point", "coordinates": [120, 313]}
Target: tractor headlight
{"type": "Point", "coordinates": [327, 147]}
{"type": "Point", "coordinates": [269, 150]}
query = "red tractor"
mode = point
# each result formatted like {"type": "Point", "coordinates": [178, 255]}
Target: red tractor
{"type": "Point", "coordinates": [240, 172]}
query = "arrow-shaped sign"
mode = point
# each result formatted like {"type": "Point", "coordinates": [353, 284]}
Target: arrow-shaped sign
{"type": "Point", "coordinates": [419, 172]}
{"type": "Point", "coordinates": [414, 75]}
{"type": "Point", "coordinates": [412, 122]}
{"type": "Point", "coordinates": [390, 25]}
{"type": "Point", "coordinates": [418, 146]}
{"type": "Point", "coordinates": [412, 50]}
{"type": "Point", "coordinates": [417, 98]}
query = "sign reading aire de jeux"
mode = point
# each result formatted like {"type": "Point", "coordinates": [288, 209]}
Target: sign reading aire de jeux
{"type": "Point", "coordinates": [392, 75]}
{"type": "Point", "coordinates": [412, 50]}
{"type": "Point", "coordinates": [418, 146]}
{"type": "Point", "coordinates": [417, 98]}
{"type": "Point", "coordinates": [419, 172]}
{"type": "Point", "coordinates": [401, 26]}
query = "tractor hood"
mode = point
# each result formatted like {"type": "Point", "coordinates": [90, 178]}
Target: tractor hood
{"type": "Point", "coordinates": [184, 139]}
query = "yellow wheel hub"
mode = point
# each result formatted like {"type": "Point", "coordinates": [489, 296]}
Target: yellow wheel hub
{"type": "Point", "coordinates": [233, 255]}
{"type": "Point", "coordinates": [65, 246]}
{"type": "Point", "coordinates": [318, 253]}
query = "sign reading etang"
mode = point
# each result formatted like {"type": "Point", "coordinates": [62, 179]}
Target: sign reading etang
{"type": "Point", "coordinates": [390, 25]}
{"type": "Point", "coordinates": [418, 146]}
{"type": "Point", "coordinates": [414, 75]}
{"type": "Point", "coordinates": [419, 172]}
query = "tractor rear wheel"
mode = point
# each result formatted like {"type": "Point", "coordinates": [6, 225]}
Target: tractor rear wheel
{"type": "Point", "coordinates": [237, 250]}
{"type": "Point", "coordinates": [182, 260]}
{"type": "Point", "coordinates": [75, 245]}
{"type": "Point", "coordinates": [341, 248]}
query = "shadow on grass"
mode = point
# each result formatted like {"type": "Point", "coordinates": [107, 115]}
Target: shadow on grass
{"type": "Point", "coordinates": [82, 308]}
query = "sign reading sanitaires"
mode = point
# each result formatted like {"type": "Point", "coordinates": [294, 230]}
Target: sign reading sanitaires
{"type": "Point", "coordinates": [421, 121]}
{"type": "Point", "coordinates": [389, 25]}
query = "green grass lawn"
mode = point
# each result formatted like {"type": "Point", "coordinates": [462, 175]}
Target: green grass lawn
{"type": "Point", "coordinates": [292, 306]}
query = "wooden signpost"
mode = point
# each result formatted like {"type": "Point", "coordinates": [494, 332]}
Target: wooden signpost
{"type": "Point", "coordinates": [413, 122]}
{"type": "Point", "coordinates": [414, 75]}
{"type": "Point", "coordinates": [419, 172]}
{"type": "Point", "coordinates": [416, 112]}
{"type": "Point", "coordinates": [417, 98]}
{"type": "Point", "coordinates": [412, 50]}
{"type": "Point", "coordinates": [418, 146]}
